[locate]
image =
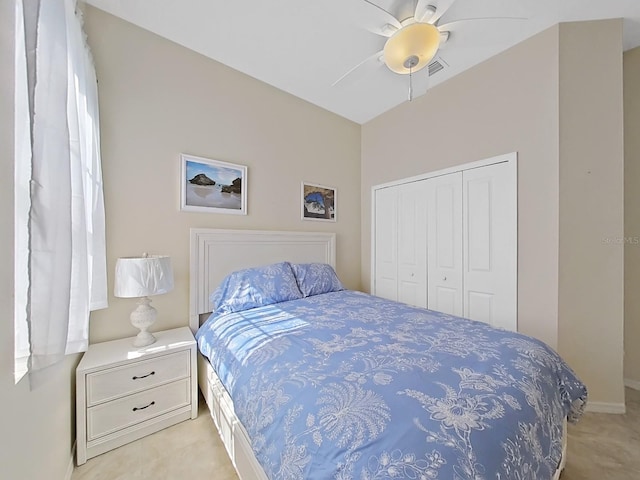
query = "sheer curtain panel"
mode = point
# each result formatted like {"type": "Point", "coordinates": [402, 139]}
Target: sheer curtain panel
{"type": "Point", "coordinates": [22, 199]}
{"type": "Point", "coordinates": [66, 226]}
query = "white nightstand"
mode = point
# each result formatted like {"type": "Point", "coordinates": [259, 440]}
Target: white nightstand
{"type": "Point", "coordinates": [124, 392]}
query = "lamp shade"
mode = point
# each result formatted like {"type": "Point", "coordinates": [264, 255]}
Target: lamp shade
{"type": "Point", "coordinates": [143, 276]}
{"type": "Point", "coordinates": [419, 40]}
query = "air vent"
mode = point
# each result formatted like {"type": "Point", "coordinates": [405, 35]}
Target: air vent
{"type": "Point", "coordinates": [435, 67]}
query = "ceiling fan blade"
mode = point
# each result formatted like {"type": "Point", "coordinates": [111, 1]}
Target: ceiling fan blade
{"type": "Point", "coordinates": [474, 32]}
{"type": "Point", "coordinates": [362, 69]}
{"type": "Point", "coordinates": [448, 26]}
{"type": "Point", "coordinates": [382, 15]}
{"type": "Point", "coordinates": [387, 30]}
{"type": "Point", "coordinates": [441, 8]}
{"type": "Point", "coordinates": [425, 11]}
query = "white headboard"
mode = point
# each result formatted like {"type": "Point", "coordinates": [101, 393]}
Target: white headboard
{"type": "Point", "coordinates": [216, 253]}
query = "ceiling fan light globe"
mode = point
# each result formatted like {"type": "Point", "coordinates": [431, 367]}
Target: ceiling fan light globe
{"type": "Point", "coordinates": [417, 39]}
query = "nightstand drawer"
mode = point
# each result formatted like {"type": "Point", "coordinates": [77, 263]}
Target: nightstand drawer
{"type": "Point", "coordinates": [128, 411]}
{"type": "Point", "coordinates": [120, 381]}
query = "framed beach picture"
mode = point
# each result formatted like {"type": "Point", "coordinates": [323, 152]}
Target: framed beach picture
{"type": "Point", "coordinates": [318, 202]}
{"type": "Point", "coordinates": [212, 186]}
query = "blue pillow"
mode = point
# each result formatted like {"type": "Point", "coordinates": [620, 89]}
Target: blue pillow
{"type": "Point", "coordinates": [255, 287]}
{"type": "Point", "coordinates": [316, 278]}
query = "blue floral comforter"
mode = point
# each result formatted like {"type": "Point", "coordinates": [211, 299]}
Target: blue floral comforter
{"type": "Point", "coordinates": [345, 385]}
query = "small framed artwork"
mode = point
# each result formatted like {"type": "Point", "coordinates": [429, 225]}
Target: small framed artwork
{"type": "Point", "coordinates": [212, 186]}
{"type": "Point", "coordinates": [319, 202]}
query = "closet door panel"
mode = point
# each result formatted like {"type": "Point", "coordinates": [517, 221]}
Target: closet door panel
{"type": "Point", "coordinates": [480, 306]}
{"type": "Point", "coordinates": [386, 244]}
{"type": "Point", "coordinates": [445, 278]}
{"type": "Point", "coordinates": [480, 223]}
{"type": "Point", "coordinates": [412, 243]}
{"type": "Point", "coordinates": [489, 250]}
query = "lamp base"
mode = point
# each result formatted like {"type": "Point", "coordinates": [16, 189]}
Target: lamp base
{"type": "Point", "coordinates": [143, 339]}
{"type": "Point", "coordinates": [142, 318]}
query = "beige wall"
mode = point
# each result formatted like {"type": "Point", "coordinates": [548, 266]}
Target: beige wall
{"type": "Point", "coordinates": [157, 100]}
{"type": "Point", "coordinates": [632, 216]}
{"type": "Point", "coordinates": [591, 288]}
{"type": "Point", "coordinates": [506, 104]}
{"type": "Point", "coordinates": [513, 102]}
{"type": "Point", "coordinates": [37, 425]}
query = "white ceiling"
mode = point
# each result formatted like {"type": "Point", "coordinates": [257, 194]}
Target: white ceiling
{"type": "Point", "coordinates": [304, 46]}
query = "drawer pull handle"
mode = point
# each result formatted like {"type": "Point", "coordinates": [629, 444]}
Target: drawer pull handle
{"type": "Point", "coordinates": [135, 409]}
{"type": "Point", "coordinates": [143, 376]}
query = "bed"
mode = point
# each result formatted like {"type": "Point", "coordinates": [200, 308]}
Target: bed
{"type": "Point", "coordinates": [322, 382]}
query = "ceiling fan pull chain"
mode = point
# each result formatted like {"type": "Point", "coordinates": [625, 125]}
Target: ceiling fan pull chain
{"type": "Point", "coordinates": [410, 62]}
{"type": "Point", "coordinates": [410, 83]}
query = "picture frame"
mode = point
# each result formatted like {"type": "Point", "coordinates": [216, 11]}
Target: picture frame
{"type": "Point", "coordinates": [212, 186]}
{"type": "Point", "coordinates": [318, 202]}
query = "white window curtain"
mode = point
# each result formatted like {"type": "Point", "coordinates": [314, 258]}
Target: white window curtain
{"type": "Point", "coordinates": [66, 225]}
{"type": "Point", "coordinates": [22, 200]}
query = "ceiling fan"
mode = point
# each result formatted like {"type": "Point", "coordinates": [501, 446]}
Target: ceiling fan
{"type": "Point", "coordinates": [412, 42]}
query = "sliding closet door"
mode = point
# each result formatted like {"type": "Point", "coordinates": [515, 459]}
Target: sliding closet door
{"type": "Point", "coordinates": [386, 243]}
{"type": "Point", "coordinates": [489, 244]}
{"type": "Point", "coordinates": [449, 242]}
{"type": "Point", "coordinates": [445, 244]}
{"type": "Point", "coordinates": [412, 243]}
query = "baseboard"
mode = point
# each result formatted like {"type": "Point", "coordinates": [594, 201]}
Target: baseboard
{"type": "Point", "coordinates": [605, 407]}
{"type": "Point", "coordinates": [72, 463]}
{"type": "Point", "coordinates": [635, 384]}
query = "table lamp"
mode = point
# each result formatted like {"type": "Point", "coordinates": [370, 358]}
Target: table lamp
{"type": "Point", "coordinates": [143, 277]}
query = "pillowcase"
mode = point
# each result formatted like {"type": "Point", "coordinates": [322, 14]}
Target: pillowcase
{"type": "Point", "coordinates": [255, 287]}
{"type": "Point", "coordinates": [316, 278]}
